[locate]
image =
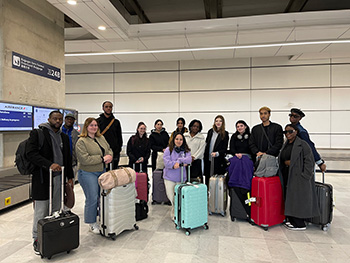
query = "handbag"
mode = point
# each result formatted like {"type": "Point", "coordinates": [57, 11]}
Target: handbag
{"type": "Point", "coordinates": [160, 161]}
{"type": "Point", "coordinates": [267, 166]}
{"type": "Point", "coordinates": [117, 177]}
{"type": "Point", "coordinates": [69, 197]}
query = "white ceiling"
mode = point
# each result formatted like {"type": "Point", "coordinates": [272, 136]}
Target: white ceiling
{"type": "Point", "coordinates": [120, 36]}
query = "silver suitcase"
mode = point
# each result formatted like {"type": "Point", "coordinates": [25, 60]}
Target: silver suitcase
{"type": "Point", "coordinates": [118, 210]}
{"type": "Point", "coordinates": [217, 193]}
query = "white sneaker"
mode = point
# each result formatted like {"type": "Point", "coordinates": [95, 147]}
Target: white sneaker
{"type": "Point", "coordinates": [94, 228]}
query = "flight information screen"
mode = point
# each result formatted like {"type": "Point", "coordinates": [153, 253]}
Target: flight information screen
{"type": "Point", "coordinates": [15, 117]}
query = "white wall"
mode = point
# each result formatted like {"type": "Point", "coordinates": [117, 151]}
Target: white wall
{"type": "Point", "coordinates": [236, 88]}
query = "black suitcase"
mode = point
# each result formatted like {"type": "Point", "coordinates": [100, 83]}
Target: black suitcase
{"type": "Point", "coordinates": [59, 232]}
{"type": "Point", "coordinates": [238, 207]}
{"type": "Point", "coordinates": [325, 202]}
{"type": "Point", "coordinates": [141, 210]}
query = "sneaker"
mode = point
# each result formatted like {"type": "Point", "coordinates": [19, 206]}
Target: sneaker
{"type": "Point", "coordinates": [36, 247]}
{"type": "Point", "coordinates": [94, 228]}
{"type": "Point", "coordinates": [294, 228]}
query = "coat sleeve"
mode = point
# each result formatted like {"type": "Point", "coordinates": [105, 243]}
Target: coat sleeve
{"type": "Point", "coordinates": [187, 159]}
{"type": "Point", "coordinates": [68, 170]}
{"type": "Point", "coordinates": [132, 158]}
{"type": "Point", "coordinates": [276, 147]}
{"type": "Point", "coordinates": [224, 145]}
{"type": "Point", "coordinates": [148, 151]}
{"type": "Point", "coordinates": [33, 151]}
{"type": "Point", "coordinates": [199, 154]}
{"type": "Point", "coordinates": [108, 150]}
{"type": "Point", "coordinates": [84, 157]}
{"type": "Point", "coordinates": [308, 162]}
{"type": "Point", "coordinates": [232, 145]}
{"type": "Point", "coordinates": [252, 141]}
{"type": "Point", "coordinates": [168, 163]}
{"type": "Point", "coordinates": [119, 136]}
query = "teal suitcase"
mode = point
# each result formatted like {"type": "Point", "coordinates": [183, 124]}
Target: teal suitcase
{"type": "Point", "coordinates": [190, 205]}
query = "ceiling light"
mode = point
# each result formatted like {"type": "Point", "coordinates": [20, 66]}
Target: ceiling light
{"type": "Point", "coordinates": [283, 44]}
{"type": "Point", "coordinates": [102, 27]}
{"type": "Point", "coordinates": [72, 2]}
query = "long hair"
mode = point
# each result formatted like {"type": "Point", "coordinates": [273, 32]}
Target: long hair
{"type": "Point", "coordinates": [184, 143]}
{"type": "Point", "coordinates": [84, 132]}
{"type": "Point", "coordinates": [136, 138]}
{"type": "Point", "coordinates": [183, 123]}
{"type": "Point", "coordinates": [222, 129]}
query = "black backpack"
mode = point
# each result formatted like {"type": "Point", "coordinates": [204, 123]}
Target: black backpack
{"type": "Point", "coordinates": [24, 166]}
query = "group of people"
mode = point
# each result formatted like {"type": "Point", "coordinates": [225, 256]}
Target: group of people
{"type": "Point", "coordinates": [99, 145]}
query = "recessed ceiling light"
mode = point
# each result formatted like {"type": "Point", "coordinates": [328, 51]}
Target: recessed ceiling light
{"type": "Point", "coordinates": [102, 27]}
{"type": "Point", "coordinates": [72, 2]}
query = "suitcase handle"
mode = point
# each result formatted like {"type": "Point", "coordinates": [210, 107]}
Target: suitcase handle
{"type": "Point", "coordinates": [62, 191]}
{"type": "Point", "coordinates": [182, 167]}
{"type": "Point", "coordinates": [133, 167]}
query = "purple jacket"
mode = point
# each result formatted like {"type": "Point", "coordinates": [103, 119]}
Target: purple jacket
{"type": "Point", "coordinates": [170, 159]}
{"type": "Point", "coordinates": [240, 172]}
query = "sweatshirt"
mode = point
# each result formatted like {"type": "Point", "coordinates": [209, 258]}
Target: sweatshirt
{"type": "Point", "coordinates": [171, 174]}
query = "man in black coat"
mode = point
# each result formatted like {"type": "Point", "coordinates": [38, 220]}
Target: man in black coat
{"type": "Point", "coordinates": [266, 137]}
{"type": "Point", "coordinates": [53, 153]}
{"type": "Point", "coordinates": [111, 129]}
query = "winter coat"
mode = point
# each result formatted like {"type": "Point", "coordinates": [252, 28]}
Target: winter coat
{"type": "Point", "coordinates": [301, 199]}
{"type": "Point", "coordinates": [136, 149]}
{"type": "Point", "coordinates": [196, 144]}
{"type": "Point", "coordinates": [43, 159]}
{"type": "Point", "coordinates": [240, 172]}
{"type": "Point", "coordinates": [258, 140]}
{"type": "Point", "coordinates": [221, 147]}
{"type": "Point", "coordinates": [240, 145]}
{"type": "Point", "coordinates": [158, 142]}
{"type": "Point", "coordinates": [113, 135]}
{"type": "Point", "coordinates": [89, 153]}
{"type": "Point", "coordinates": [171, 174]}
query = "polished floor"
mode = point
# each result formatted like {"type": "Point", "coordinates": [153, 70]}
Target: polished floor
{"type": "Point", "coordinates": [157, 240]}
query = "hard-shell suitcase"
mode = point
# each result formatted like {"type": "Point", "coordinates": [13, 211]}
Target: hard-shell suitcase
{"type": "Point", "coordinates": [238, 207]}
{"type": "Point", "coordinates": [118, 210]}
{"type": "Point", "coordinates": [58, 232]}
{"type": "Point", "coordinates": [190, 205]}
{"type": "Point", "coordinates": [267, 207]}
{"type": "Point", "coordinates": [159, 193]}
{"type": "Point", "coordinates": [325, 202]}
{"type": "Point", "coordinates": [141, 185]}
{"type": "Point", "coordinates": [217, 193]}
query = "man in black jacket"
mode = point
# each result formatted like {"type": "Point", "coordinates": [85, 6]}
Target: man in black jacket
{"type": "Point", "coordinates": [52, 154]}
{"type": "Point", "coordinates": [266, 137]}
{"type": "Point", "coordinates": [111, 129]}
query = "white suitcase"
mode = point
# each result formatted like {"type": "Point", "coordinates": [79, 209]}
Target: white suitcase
{"type": "Point", "coordinates": [118, 210]}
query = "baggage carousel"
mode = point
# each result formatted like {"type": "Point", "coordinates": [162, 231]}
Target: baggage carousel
{"type": "Point", "coordinates": [14, 188]}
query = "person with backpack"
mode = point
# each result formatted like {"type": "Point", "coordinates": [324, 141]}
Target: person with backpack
{"type": "Point", "coordinates": [52, 154]}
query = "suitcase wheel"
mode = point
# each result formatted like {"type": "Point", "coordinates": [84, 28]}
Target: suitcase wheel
{"type": "Point", "coordinates": [206, 227]}
{"type": "Point", "coordinates": [176, 226]}
{"type": "Point", "coordinates": [113, 236]}
{"type": "Point", "coordinates": [223, 214]}
{"type": "Point", "coordinates": [325, 227]}
{"type": "Point", "coordinates": [188, 232]}
{"type": "Point", "coordinates": [265, 228]}
{"type": "Point", "coordinates": [136, 227]}
{"type": "Point", "coordinates": [68, 251]}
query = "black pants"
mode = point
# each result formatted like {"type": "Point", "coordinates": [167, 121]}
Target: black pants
{"type": "Point", "coordinates": [297, 222]}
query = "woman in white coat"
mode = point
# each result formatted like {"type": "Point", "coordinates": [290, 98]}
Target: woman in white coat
{"type": "Point", "coordinates": [196, 142]}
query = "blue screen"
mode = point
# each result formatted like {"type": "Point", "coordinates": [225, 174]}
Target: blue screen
{"type": "Point", "coordinates": [15, 117]}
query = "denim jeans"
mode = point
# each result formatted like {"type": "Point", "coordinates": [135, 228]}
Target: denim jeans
{"type": "Point", "coordinates": [89, 183]}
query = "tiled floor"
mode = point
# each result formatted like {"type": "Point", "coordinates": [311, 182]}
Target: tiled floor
{"type": "Point", "coordinates": [157, 240]}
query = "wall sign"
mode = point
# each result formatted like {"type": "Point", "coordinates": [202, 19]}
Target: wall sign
{"type": "Point", "coordinates": [35, 67]}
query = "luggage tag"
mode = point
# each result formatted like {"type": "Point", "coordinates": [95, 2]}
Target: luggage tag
{"type": "Point", "coordinates": [250, 200]}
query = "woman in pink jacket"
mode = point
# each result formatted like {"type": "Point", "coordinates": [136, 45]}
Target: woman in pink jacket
{"type": "Point", "coordinates": [175, 155]}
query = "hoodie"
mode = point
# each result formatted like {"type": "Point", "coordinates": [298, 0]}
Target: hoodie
{"type": "Point", "coordinates": [196, 144]}
{"type": "Point", "coordinates": [57, 145]}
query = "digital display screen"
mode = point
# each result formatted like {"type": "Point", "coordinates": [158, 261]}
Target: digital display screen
{"type": "Point", "coordinates": [15, 117]}
{"type": "Point", "coordinates": [41, 115]}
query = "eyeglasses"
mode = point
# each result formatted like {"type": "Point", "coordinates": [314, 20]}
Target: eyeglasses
{"type": "Point", "coordinates": [294, 116]}
{"type": "Point", "coordinates": [288, 131]}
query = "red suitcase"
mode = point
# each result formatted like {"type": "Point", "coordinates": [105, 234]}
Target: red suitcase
{"type": "Point", "coordinates": [141, 185]}
{"type": "Point", "coordinates": [268, 208]}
